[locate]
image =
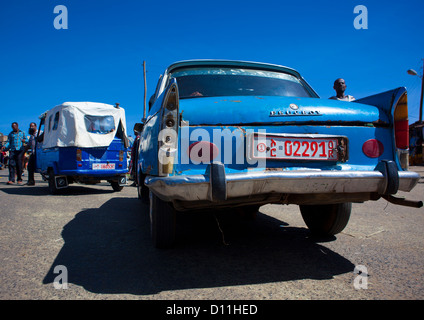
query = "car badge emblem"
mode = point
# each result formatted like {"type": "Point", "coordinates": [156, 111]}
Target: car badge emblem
{"type": "Point", "coordinates": [294, 112]}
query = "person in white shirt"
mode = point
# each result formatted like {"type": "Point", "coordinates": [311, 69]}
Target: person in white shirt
{"type": "Point", "coordinates": [340, 87]}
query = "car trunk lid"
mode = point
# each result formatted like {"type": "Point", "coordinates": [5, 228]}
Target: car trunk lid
{"type": "Point", "coordinates": [253, 110]}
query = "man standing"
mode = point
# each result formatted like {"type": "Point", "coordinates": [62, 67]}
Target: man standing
{"type": "Point", "coordinates": [340, 87]}
{"type": "Point", "coordinates": [15, 145]}
{"type": "Point", "coordinates": [30, 148]}
{"type": "Point", "coordinates": [134, 158]}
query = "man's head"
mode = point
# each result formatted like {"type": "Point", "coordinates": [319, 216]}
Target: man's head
{"type": "Point", "coordinates": [339, 86]}
{"type": "Point", "coordinates": [15, 126]}
{"type": "Point", "coordinates": [32, 128]}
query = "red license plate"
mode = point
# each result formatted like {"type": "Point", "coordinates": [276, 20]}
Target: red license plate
{"type": "Point", "coordinates": [294, 148]}
{"type": "Point", "coordinates": [103, 166]}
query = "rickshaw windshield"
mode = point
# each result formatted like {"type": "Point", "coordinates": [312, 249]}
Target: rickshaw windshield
{"type": "Point", "coordinates": [99, 124]}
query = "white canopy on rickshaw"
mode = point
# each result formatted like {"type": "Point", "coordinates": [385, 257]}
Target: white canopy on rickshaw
{"type": "Point", "coordinates": [83, 124]}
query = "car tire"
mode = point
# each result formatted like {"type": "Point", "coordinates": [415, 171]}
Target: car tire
{"type": "Point", "coordinates": [326, 220]}
{"type": "Point", "coordinates": [116, 187]}
{"type": "Point", "coordinates": [162, 222]}
{"type": "Point", "coordinates": [248, 212]}
{"type": "Point", "coordinates": [52, 183]}
{"type": "Point", "coordinates": [142, 190]}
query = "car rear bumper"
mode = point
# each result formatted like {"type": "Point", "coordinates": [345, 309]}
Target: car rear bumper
{"type": "Point", "coordinates": [92, 173]}
{"type": "Point", "coordinates": [216, 186]}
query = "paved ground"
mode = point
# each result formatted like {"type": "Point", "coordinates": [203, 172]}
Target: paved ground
{"type": "Point", "coordinates": [103, 240]}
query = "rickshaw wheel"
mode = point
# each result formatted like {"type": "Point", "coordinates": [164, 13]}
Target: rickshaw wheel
{"type": "Point", "coordinates": [116, 187]}
{"type": "Point", "coordinates": [52, 184]}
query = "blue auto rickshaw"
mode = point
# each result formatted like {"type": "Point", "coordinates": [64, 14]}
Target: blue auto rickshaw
{"type": "Point", "coordinates": [82, 142]}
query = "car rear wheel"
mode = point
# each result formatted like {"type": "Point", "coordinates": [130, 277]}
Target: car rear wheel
{"type": "Point", "coordinates": [162, 222]}
{"type": "Point", "coordinates": [326, 220]}
{"type": "Point", "coordinates": [115, 186]}
{"type": "Point", "coordinates": [52, 183]}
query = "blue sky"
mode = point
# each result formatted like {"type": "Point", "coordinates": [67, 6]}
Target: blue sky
{"type": "Point", "coordinates": [99, 57]}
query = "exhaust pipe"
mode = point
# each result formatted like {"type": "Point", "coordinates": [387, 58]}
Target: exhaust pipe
{"type": "Point", "coordinates": [403, 201]}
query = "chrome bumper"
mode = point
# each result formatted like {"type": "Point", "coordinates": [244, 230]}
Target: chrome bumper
{"type": "Point", "coordinates": [217, 186]}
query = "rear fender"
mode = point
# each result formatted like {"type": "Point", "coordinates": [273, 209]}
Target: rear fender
{"type": "Point", "coordinates": [387, 102]}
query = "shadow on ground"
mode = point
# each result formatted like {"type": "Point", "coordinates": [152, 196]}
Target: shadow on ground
{"type": "Point", "coordinates": [108, 250]}
{"type": "Point", "coordinates": [43, 190]}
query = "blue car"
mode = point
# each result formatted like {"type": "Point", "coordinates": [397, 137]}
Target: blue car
{"type": "Point", "coordinates": [82, 142]}
{"type": "Point", "coordinates": [224, 134]}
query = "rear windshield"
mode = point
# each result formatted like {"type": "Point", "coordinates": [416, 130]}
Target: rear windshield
{"type": "Point", "coordinates": [99, 124]}
{"type": "Point", "coordinates": [213, 82]}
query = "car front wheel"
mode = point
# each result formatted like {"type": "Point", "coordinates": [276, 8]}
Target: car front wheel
{"type": "Point", "coordinates": [248, 212]}
{"type": "Point", "coordinates": [142, 190]}
{"type": "Point", "coordinates": [162, 222]}
{"type": "Point", "coordinates": [326, 220]}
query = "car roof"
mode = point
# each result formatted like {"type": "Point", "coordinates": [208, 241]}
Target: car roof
{"type": "Point", "coordinates": [231, 63]}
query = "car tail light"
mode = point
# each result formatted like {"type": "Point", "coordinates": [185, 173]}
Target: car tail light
{"type": "Point", "coordinates": [401, 125]}
{"type": "Point", "coordinates": [121, 155]}
{"type": "Point", "coordinates": [373, 148]}
{"type": "Point", "coordinates": [79, 155]}
{"type": "Point", "coordinates": [202, 152]}
{"type": "Point", "coordinates": [168, 136]}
